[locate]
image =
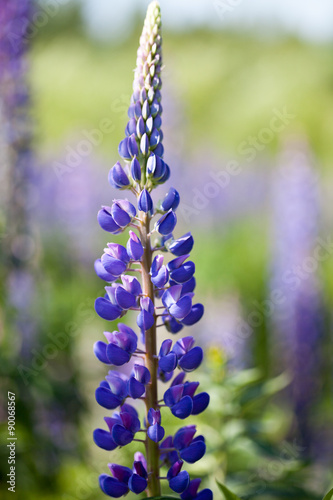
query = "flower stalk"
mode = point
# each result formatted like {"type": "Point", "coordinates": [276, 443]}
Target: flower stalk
{"type": "Point", "coordinates": [160, 290]}
{"type": "Point", "coordinates": [152, 448]}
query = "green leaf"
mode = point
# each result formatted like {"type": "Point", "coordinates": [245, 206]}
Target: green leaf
{"type": "Point", "coordinates": [228, 495]}
{"type": "Point", "coordinates": [328, 495]}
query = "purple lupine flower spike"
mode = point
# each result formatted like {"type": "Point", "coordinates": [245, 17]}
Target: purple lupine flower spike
{"type": "Point", "coordinates": [160, 294]}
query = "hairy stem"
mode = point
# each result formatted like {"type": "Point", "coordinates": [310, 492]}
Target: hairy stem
{"type": "Point", "coordinates": [152, 449]}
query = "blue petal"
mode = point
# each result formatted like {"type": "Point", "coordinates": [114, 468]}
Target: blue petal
{"type": "Point", "coordinates": [112, 487]}
{"type": "Point", "coordinates": [136, 170]}
{"type": "Point", "coordinates": [120, 216]}
{"type": "Point", "coordinates": [191, 360]}
{"type": "Point", "coordinates": [161, 277]}
{"type": "Point", "coordinates": [183, 273]}
{"type": "Point", "coordinates": [137, 484]}
{"type": "Point", "coordinates": [182, 308]}
{"type": "Point", "coordinates": [121, 436]}
{"type": "Point", "coordinates": [194, 316]}
{"type": "Point", "coordinates": [116, 355]}
{"type": "Point", "coordinates": [102, 273]}
{"type": "Point", "coordinates": [168, 363]}
{"type": "Point", "coordinates": [166, 224]}
{"type": "Point", "coordinates": [123, 150]}
{"type": "Point", "coordinates": [171, 200]}
{"type": "Point", "coordinates": [173, 394]}
{"type": "Point", "coordinates": [113, 265]}
{"type": "Point", "coordinates": [106, 310]}
{"type": "Point", "coordinates": [194, 452]}
{"type": "Point", "coordinates": [104, 440]}
{"type": "Point", "coordinates": [117, 176]}
{"type": "Point", "coordinates": [180, 482]}
{"type": "Point", "coordinates": [145, 203]}
{"type": "Point", "coordinates": [183, 408]}
{"type": "Point", "coordinates": [145, 320]}
{"type": "Point", "coordinates": [120, 472]}
{"type": "Point", "coordinates": [172, 324]}
{"type": "Point", "coordinates": [135, 388]}
{"type": "Point", "coordinates": [205, 494]}
{"type": "Point", "coordinates": [124, 299]}
{"type": "Point", "coordinates": [191, 492]}
{"type": "Point", "coordinates": [106, 221]}
{"type": "Point", "coordinates": [134, 247]}
{"type": "Point", "coordinates": [156, 432]}
{"type": "Point", "coordinates": [189, 286]}
{"type": "Point", "coordinates": [100, 352]}
{"type": "Point", "coordinates": [200, 403]}
{"type": "Point", "coordinates": [183, 245]}
{"type": "Point", "coordinates": [105, 398]}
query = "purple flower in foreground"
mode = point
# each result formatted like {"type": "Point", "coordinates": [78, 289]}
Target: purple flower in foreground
{"type": "Point", "coordinates": [138, 278]}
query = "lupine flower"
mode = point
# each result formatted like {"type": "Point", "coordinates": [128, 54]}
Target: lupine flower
{"type": "Point", "coordinates": [172, 283]}
{"type": "Point", "coordinates": [297, 318]}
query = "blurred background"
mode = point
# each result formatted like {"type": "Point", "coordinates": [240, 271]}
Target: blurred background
{"type": "Point", "coordinates": [248, 124]}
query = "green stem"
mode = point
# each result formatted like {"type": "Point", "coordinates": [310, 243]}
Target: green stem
{"type": "Point", "coordinates": [152, 448]}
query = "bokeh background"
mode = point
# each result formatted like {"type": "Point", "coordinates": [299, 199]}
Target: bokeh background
{"type": "Point", "coordinates": [247, 97]}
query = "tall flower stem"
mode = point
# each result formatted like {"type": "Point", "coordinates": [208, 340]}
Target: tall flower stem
{"type": "Point", "coordinates": [152, 448]}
